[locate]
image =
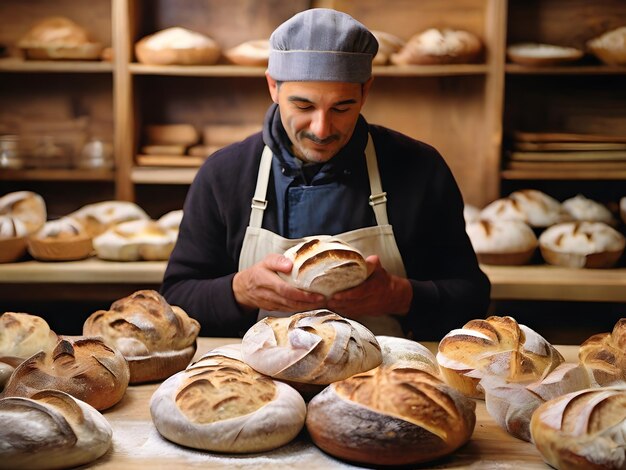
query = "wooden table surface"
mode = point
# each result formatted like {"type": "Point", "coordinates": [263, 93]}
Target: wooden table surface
{"type": "Point", "coordinates": [137, 444]}
{"type": "Point", "coordinates": [533, 282]}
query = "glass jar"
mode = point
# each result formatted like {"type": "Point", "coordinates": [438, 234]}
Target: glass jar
{"type": "Point", "coordinates": [9, 152]}
{"type": "Point", "coordinates": [96, 153]}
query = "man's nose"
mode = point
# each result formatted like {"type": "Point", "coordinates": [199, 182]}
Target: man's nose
{"type": "Point", "coordinates": [320, 125]}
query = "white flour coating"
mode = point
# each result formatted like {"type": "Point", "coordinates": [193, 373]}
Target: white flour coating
{"type": "Point", "coordinates": [133, 439]}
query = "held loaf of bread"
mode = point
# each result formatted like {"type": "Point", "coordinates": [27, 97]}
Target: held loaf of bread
{"type": "Point", "coordinates": [316, 347]}
{"type": "Point", "coordinates": [325, 265]}
{"type": "Point", "coordinates": [494, 346]}
{"type": "Point", "coordinates": [582, 430]}
{"type": "Point", "coordinates": [391, 415]}
{"type": "Point", "coordinates": [582, 245]}
{"type": "Point", "coordinates": [64, 239]}
{"type": "Point", "coordinates": [502, 242]}
{"type": "Point", "coordinates": [21, 336]}
{"type": "Point", "coordinates": [604, 355]}
{"type": "Point", "coordinates": [221, 404]}
{"type": "Point", "coordinates": [157, 339]}
{"type": "Point", "coordinates": [86, 368]}
{"type": "Point", "coordinates": [50, 430]}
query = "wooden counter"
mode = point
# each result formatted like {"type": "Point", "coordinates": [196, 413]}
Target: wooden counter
{"type": "Point", "coordinates": [137, 444]}
{"type": "Point", "coordinates": [536, 282]}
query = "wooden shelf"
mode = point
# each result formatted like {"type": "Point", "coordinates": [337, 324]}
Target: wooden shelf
{"type": "Point", "coordinates": [15, 64]}
{"type": "Point", "coordinates": [57, 175]}
{"type": "Point", "coordinates": [242, 71]}
{"type": "Point", "coordinates": [162, 175]}
{"type": "Point", "coordinates": [539, 282]}
{"type": "Point", "coordinates": [562, 175]}
{"type": "Point", "coordinates": [516, 69]}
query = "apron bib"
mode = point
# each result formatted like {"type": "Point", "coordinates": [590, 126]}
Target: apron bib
{"type": "Point", "coordinates": [379, 239]}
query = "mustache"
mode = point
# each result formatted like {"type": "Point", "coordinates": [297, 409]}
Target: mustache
{"type": "Point", "coordinates": [316, 140]}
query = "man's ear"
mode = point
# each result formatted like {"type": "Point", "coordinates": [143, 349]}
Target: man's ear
{"type": "Point", "coordinates": [365, 88]}
{"type": "Point", "coordinates": [273, 87]}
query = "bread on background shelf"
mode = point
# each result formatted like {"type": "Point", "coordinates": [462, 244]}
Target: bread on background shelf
{"type": "Point", "coordinates": [64, 239]}
{"type": "Point", "coordinates": [177, 46]}
{"type": "Point", "coordinates": [502, 242]}
{"type": "Point", "coordinates": [542, 55]}
{"type": "Point", "coordinates": [21, 214]}
{"type": "Point", "coordinates": [440, 46]}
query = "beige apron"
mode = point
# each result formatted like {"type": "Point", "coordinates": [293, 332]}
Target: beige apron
{"type": "Point", "coordinates": [377, 240]}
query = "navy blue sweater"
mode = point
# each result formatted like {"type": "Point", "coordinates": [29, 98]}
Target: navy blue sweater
{"type": "Point", "coordinates": [424, 206]}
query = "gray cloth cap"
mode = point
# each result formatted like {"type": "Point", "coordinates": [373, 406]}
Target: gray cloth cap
{"type": "Point", "coordinates": [322, 45]}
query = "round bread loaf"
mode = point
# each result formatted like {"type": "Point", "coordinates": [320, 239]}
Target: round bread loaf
{"type": "Point", "coordinates": [504, 209]}
{"type": "Point", "coordinates": [512, 404]}
{"type": "Point", "coordinates": [440, 46]}
{"type": "Point", "coordinates": [391, 415]}
{"type": "Point", "coordinates": [135, 240]}
{"type": "Point", "coordinates": [503, 242]}
{"type": "Point", "coordinates": [177, 46]}
{"type": "Point", "coordinates": [388, 44]}
{"type": "Point", "coordinates": [586, 210]}
{"type": "Point", "coordinates": [253, 53]}
{"type": "Point", "coordinates": [221, 404]}
{"type": "Point", "coordinates": [604, 355]}
{"type": "Point", "coordinates": [27, 209]}
{"type": "Point", "coordinates": [405, 352]}
{"type": "Point", "coordinates": [537, 54]}
{"type": "Point", "coordinates": [21, 336]}
{"type": "Point", "coordinates": [86, 368]}
{"type": "Point", "coordinates": [582, 245]}
{"type": "Point", "coordinates": [541, 210]}
{"type": "Point", "coordinates": [50, 430]}
{"type": "Point", "coordinates": [171, 221]}
{"type": "Point", "coordinates": [496, 346]}
{"type": "Point", "coordinates": [100, 216]}
{"type": "Point", "coordinates": [156, 339]}
{"type": "Point", "coordinates": [316, 347]}
{"type": "Point", "coordinates": [325, 265]}
{"type": "Point", "coordinates": [64, 239]}
{"type": "Point", "coordinates": [582, 430]}
{"type": "Point", "coordinates": [610, 47]}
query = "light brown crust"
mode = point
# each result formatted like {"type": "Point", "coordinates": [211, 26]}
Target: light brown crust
{"type": "Point", "coordinates": [60, 249]}
{"type": "Point", "coordinates": [604, 355]}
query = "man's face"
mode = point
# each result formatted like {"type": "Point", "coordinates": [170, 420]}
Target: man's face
{"type": "Point", "coordinates": [319, 117]}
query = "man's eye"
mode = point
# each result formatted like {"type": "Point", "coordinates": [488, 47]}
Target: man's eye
{"type": "Point", "coordinates": [304, 107]}
{"type": "Point", "coordinates": [341, 110]}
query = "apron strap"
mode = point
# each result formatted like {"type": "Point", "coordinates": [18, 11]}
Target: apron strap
{"type": "Point", "coordinates": [259, 202]}
{"type": "Point", "coordinates": [378, 198]}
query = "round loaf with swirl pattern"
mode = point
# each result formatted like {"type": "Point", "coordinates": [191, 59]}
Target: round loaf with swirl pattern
{"type": "Point", "coordinates": [495, 346]}
{"type": "Point", "coordinates": [157, 339]}
{"type": "Point", "coordinates": [68, 432]}
{"type": "Point", "coordinates": [316, 347]}
{"type": "Point", "coordinates": [221, 404]}
{"type": "Point", "coordinates": [390, 415]}
{"type": "Point", "coordinates": [604, 355]}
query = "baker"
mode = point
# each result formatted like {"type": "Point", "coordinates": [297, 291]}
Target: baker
{"type": "Point", "coordinates": [319, 168]}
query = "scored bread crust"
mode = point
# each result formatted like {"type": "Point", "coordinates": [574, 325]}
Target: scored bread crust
{"type": "Point", "coordinates": [582, 430]}
{"type": "Point", "coordinates": [316, 347]}
{"type": "Point", "coordinates": [69, 432]}
{"type": "Point", "coordinates": [494, 346]}
{"type": "Point", "coordinates": [64, 239]}
{"type": "Point", "coordinates": [325, 266]}
{"type": "Point", "coordinates": [157, 339]}
{"type": "Point", "coordinates": [391, 415]}
{"type": "Point", "coordinates": [604, 355]}
{"type": "Point", "coordinates": [86, 368]}
{"type": "Point", "coordinates": [221, 404]}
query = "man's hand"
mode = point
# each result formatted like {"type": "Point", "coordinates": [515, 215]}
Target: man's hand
{"type": "Point", "coordinates": [259, 287]}
{"type": "Point", "coordinates": [381, 294]}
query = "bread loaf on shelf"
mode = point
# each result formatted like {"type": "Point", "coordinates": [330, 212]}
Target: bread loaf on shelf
{"type": "Point", "coordinates": [388, 44]}
{"type": "Point", "coordinates": [440, 46]}
{"type": "Point", "coordinates": [610, 47]}
{"type": "Point", "coordinates": [604, 355]}
{"type": "Point", "coordinates": [582, 245]}
{"type": "Point", "coordinates": [177, 46]}
{"type": "Point", "coordinates": [50, 430]}
{"type": "Point", "coordinates": [252, 53]}
{"type": "Point", "coordinates": [391, 415]}
{"type": "Point", "coordinates": [316, 347]}
{"type": "Point", "coordinates": [64, 239]}
{"type": "Point", "coordinates": [502, 242]}
{"type": "Point", "coordinates": [100, 216]}
{"type": "Point", "coordinates": [582, 430]}
{"type": "Point", "coordinates": [325, 265]}
{"type": "Point", "coordinates": [588, 210]}
{"type": "Point", "coordinates": [157, 339]}
{"type": "Point", "coordinates": [495, 346]}
{"type": "Point", "coordinates": [86, 368]}
{"type": "Point", "coordinates": [221, 404]}
{"type": "Point", "coordinates": [26, 208]}
{"type": "Point", "coordinates": [21, 336]}
{"type": "Point", "coordinates": [135, 241]}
